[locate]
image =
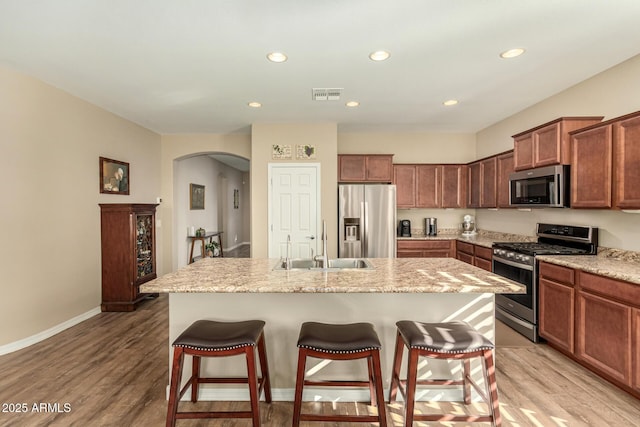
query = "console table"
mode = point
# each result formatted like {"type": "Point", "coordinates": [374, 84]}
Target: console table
{"type": "Point", "coordinates": [209, 235]}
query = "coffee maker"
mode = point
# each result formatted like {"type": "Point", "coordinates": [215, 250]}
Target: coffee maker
{"type": "Point", "coordinates": [430, 226]}
{"type": "Point", "coordinates": [404, 228]}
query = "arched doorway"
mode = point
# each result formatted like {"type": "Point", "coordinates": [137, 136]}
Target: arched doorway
{"type": "Point", "coordinates": [224, 179]}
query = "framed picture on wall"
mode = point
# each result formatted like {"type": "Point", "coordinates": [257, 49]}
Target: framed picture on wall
{"type": "Point", "coordinates": [196, 196]}
{"type": "Point", "coordinates": [114, 176]}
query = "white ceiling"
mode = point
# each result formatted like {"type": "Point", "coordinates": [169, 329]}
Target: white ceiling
{"type": "Point", "coordinates": [192, 65]}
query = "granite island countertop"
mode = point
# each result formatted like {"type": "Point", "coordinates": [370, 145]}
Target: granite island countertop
{"type": "Point", "coordinates": [390, 275]}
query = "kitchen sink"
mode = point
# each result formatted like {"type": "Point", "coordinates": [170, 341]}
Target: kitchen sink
{"type": "Point", "coordinates": [335, 264]}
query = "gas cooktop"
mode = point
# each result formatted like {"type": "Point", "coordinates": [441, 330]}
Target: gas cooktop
{"type": "Point", "coordinates": [537, 248]}
{"type": "Point", "coordinates": [554, 239]}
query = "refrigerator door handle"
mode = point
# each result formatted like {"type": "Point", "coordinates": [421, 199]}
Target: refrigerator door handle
{"type": "Point", "coordinates": [365, 227]}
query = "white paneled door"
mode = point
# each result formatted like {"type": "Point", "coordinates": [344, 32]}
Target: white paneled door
{"type": "Point", "coordinates": [294, 204]}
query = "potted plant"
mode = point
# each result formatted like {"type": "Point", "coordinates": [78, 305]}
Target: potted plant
{"type": "Point", "coordinates": [212, 248]}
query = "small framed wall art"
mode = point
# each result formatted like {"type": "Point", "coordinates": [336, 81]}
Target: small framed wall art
{"type": "Point", "coordinates": [196, 196]}
{"type": "Point", "coordinates": [305, 152]}
{"type": "Point", "coordinates": [281, 151]}
{"type": "Point", "coordinates": [114, 176]}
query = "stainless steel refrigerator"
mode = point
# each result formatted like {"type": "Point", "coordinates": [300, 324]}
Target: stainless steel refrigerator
{"type": "Point", "coordinates": [366, 221]}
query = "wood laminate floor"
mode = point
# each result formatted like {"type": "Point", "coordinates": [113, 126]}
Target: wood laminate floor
{"type": "Point", "coordinates": [111, 370]}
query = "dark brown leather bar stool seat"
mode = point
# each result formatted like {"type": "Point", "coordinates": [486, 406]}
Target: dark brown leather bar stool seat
{"type": "Point", "coordinates": [207, 338]}
{"type": "Point", "coordinates": [340, 342]}
{"type": "Point", "coordinates": [452, 340]}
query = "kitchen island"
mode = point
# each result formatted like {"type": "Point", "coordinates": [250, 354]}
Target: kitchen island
{"type": "Point", "coordinates": [423, 289]}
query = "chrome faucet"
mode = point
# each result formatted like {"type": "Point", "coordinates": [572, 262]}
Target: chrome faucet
{"type": "Point", "coordinates": [323, 259]}
{"type": "Point", "coordinates": [287, 260]}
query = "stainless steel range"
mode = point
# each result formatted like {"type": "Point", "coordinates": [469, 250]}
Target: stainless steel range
{"type": "Point", "coordinates": [517, 261]}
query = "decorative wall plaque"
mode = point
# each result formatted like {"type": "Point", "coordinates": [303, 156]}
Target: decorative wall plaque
{"type": "Point", "coordinates": [281, 151]}
{"type": "Point", "coordinates": [304, 151]}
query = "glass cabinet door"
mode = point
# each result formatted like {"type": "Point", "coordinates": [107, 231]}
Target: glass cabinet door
{"type": "Point", "coordinates": [144, 245]}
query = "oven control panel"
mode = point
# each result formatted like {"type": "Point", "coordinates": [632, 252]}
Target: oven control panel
{"type": "Point", "coordinates": [512, 256]}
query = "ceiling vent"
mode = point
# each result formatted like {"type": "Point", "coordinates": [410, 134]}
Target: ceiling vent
{"type": "Point", "coordinates": [326, 94]}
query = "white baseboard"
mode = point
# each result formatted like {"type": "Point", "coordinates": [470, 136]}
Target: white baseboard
{"type": "Point", "coordinates": [41, 336]}
{"type": "Point", "coordinates": [327, 394]}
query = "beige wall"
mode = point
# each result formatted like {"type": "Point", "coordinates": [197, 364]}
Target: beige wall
{"type": "Point", "coordinates": [174, 148]}
{"type": "Point", "coordinates": [263, 136]}
{"type": "Point", "coordinates": [612, 93]}
{"type": "Point", "coordinates": [50, 143]}
{"type": "Point", "coordinates": [408, 147]}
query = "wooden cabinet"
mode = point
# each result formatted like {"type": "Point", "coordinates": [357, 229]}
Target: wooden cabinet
{"type": "Point", "coordinates": [482, 183]}
{"type": "Point", "coordinates": [477, 255]}
{"type": "Point", "coordinates": [428, 181]}
{"type": "Point", "coordinates": [636, 350]}
{"type": "Point", "coordinates": [605, 162]}
{"type": "Point", "coordinates": [547, 144]}
{"type": "Point", "coordinates": [505, 166]}
{"type": "Point", "coordinates": [404, 177]}
{"type": "Point", "coordinates": [593, 319]}
{"type": "Point", "coordinates": [128, 253]}
{"type": "Point", "coordinates": [557, 302]}
{"type": "Point", "coordinates": [454, 186]}
{"type": "Point", "coordinates": [627, 162]}
{"type": "Point", "coordinates": [482, 257]}
{"type": "Point", "coordinates": [592, 165]}
{"type": "Point", "coordinates": [365, 168]}
{"type": "Point", "coordinates": [430, 186]}
{"type": "Point", "coordinates": [604, 336]}
{"type": "Point", "coordinates": [425, 248]}
{"type": "Point", "coordinates": [464, 252]}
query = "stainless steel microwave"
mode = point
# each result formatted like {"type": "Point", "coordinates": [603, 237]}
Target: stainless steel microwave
{"type": "Point", "coordinates": [546, 187]}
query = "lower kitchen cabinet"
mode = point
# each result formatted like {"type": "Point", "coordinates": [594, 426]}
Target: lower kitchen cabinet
{"type": "Point", "coordinates": [604, 336]}
{"type": "Point", "coordinates": [557, 302]}
{"type": "Point", "coordinates": [636, 350]}
{"type": "Point", "coordinates": [482, 257]}
{"type": "Point", "coordinates": [604, 325]}
{"type": "Point", "coordinates": [425, 248]}
{"type": "Point", "coordinates": [477, 255]}
{"type": "Point", "coordinates": [595, 320]}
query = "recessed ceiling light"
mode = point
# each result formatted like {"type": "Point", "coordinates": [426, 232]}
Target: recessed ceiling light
{"type": "Point", "coordinates": [450, 102]}
{"type": "Point", "coordinates": [352, 104]}
{"type": "Point", "coordinates": [277, 57]}
{"type": "Point", "coordinates": [254, 104]}
{"type": "Point", "coordinates": [512, 53]}
{"type": "Point", "coordinates": [379, 55]}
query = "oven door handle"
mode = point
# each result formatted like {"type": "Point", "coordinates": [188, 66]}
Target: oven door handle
{"type": "Point", "coordinates": [514, 264]}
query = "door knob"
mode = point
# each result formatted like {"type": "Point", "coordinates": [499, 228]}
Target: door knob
{"type": "Point", "coordinates": [311, 237]}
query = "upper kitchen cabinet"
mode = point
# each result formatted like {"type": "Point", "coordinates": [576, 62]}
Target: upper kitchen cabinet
{"type": "Point", "coordinates": [548, 144]}
{"type": "Point", "coordinates": [404, 177]}
{"type": "Point", "coordinates": [365, 167]}
{"type": "Point", "coordinates": [591, 171]}
{"type": "Point", "coordinates": [430, 186]}
{"type": "Point", "coordinates": [606, 164]}
{"type": "Point", "coordinates": [454, 186]}
{"type": "Point", "coordinates": [626, 150]}
{"type": "Point", "coordinates": [505, 168]}
{"type": "Point", "coordinates": [483, 183]}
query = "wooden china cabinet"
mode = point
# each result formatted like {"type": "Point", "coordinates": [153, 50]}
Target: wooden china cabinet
{"type": "Point", "coordinates": [128, 253]}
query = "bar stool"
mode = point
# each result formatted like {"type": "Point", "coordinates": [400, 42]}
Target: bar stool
{"type": "Point", "coordinates": [452, 340]}
{"type": "Point", "coordinates": [340, 342]}
{"type": "Point", "coordinates": [207, 338]}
